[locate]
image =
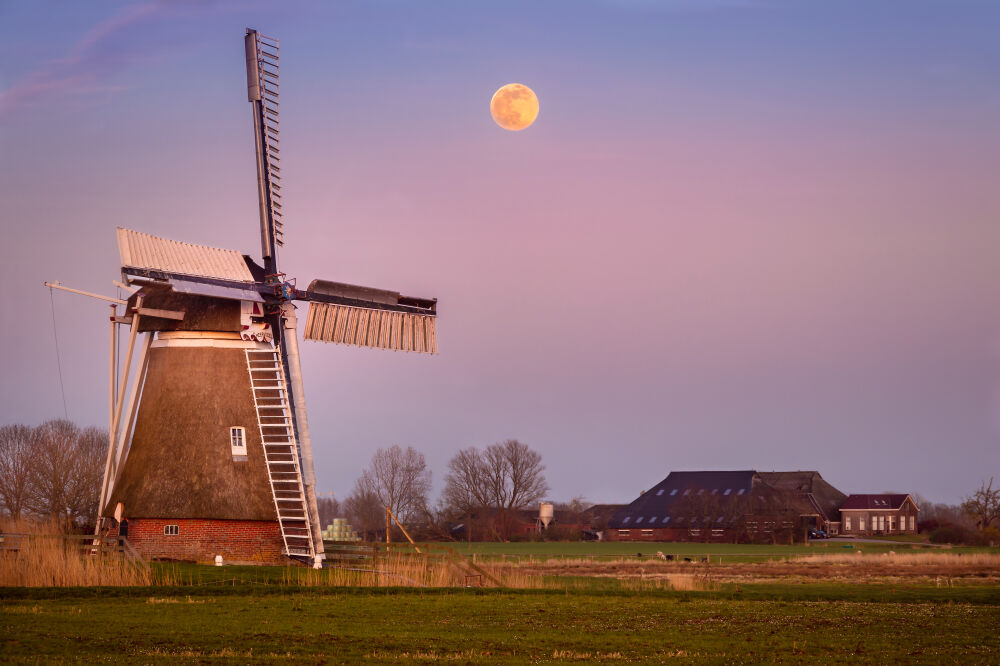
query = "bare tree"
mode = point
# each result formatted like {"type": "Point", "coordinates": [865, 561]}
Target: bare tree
{"type": "Point", "coordinates": [364, 510]}
{"type": "Point", "coordinates": [505, 477]}
{"type": "Point", "coordinates": [400, 480]}
{"type": "Point", "coordinates": [16, 446]}
{"type": "Point", "coordinates": [52, 468]}
{"type": "Point", "coordinates": [329, 508]}
{"type": "Point", "coordinates": [984, 505]}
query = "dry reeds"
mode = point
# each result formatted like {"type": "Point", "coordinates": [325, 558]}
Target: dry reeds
{"type": "Point", "coordinates": [45, 558]}
{"type": "Point", "coordinates": [408, 570]}
{"type": "Point", "coordinates": [859, 557]}
{"type": "Point", "coordinates": [677, 582]}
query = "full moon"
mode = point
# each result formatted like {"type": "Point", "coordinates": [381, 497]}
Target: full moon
{"type": "Point", "coordinates": [514, 107]}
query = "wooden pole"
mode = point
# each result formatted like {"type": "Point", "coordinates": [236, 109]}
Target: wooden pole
{"type": "Point", "coordinates": [125, 434]}
{"type": "Point", "coordinates": [120, 403]}
{"type": "Point", "coordinates": [405, 533]}
{"type": "Point", "coordinates": [387, 513]}
{"type": "Point", "coordinates": [113, 339]}
{"type": "Point", "coordinates": [58, 285]}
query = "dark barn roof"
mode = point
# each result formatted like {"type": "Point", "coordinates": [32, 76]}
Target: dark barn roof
{"type": "Point", "coordinates": [825, 498]}
{"type": "Point", "coordinates": [721, 499]}
{"type": "Point", "coordinates": [655, 507]}
{"type": "Point", "coordinates": [883, 501]}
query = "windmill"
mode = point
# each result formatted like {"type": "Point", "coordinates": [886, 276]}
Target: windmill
{"type": "Point", "coordinates": [210, 450]}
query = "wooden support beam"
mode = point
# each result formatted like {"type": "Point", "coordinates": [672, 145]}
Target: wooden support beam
{"type": "Point", "coordinates": [116, 417]}
{"type": "Point", "coordinates": [162, 314]}
{"type": "Point", "coordinates": [58, 285]}
{"type": "Point", "coordinates": [125, 436]}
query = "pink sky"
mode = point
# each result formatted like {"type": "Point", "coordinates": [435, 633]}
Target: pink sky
{"type": "Point", "coordinates": [736, 237]}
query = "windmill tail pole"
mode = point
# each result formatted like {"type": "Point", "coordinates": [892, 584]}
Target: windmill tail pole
{"type": "Point", "coordinates": [290, 342]}
{"type": "Point", "coordinates": [116, 416]}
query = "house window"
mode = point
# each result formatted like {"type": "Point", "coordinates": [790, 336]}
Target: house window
{"type": "Point", "coordinates": [847, 524]}
{"type": "Point", "coordinates": [861, 524]}
{"type": "Point", "coordinates": [171, 530]}
{"type": "Point", "coordinates": [647, 533]}
{"type": "Point", "coordinates": [892, 521]}
{"type": "Point", "coordinates": [913, 523]}
{"type": "Point", "coordinates": [238, 442]}
{"type": "Point", "coordinates": [881, 523]}
{"type": "Point", "coordinates": [623, 532]}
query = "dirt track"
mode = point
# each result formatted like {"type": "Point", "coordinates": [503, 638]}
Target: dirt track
{"type": "Point", "coordinates": [869, 568]}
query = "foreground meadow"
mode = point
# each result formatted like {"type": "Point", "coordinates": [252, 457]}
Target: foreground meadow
{"type": "Point", "coordinates": [777, 604]}
{"type": "Point", "coordinates": [323, 625]}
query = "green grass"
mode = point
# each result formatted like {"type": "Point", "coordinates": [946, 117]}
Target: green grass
{"type": "Point", "coordinates": [347, 626]}
{"type": "Point", "coordinates": [908, 538]}
{"type": "Point", "coordinates": [729, 552]}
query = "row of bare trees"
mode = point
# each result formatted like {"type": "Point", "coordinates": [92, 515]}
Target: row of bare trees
{"type": "Point", "coordinates": [489, 485]}
{"type": "Point", "coordinates": [51, 471]}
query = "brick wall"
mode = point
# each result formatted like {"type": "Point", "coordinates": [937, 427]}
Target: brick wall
{"type": "Point", "coordinates": [873, 514]}
{"type": "Point", "coordinates": [238, 541]}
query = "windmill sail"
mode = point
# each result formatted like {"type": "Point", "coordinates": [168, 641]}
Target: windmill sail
{"type": "Point", "coordinates": [262, 91]}
{"type": "Point", "coordinates": [367, 317]}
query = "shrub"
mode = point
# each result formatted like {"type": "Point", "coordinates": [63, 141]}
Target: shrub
{"type": "Point", "coordinates": [987, 537]}
{"type": "Point", "coordinates": [953, 534]}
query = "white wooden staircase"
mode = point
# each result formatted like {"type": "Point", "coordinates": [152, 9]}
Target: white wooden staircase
{"type": "Point", "coordinates": [274, 418]}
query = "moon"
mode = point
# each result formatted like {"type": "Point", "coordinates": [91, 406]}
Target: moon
{"type": "Point", "coordinates": [514, 107]}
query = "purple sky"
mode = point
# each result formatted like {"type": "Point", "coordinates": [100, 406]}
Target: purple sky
{"type": "Point", "coordinates": [740, 235]}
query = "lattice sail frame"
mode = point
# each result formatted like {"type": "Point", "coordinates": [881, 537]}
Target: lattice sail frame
{"type": "Point", "coordinates": [267, 82]}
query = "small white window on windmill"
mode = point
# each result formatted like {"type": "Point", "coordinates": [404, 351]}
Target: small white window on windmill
{"type": "Point", "coordinates": [238, 443]}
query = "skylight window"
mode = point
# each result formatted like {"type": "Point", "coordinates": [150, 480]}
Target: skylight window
{"type": "Point", "coordinates": [666, 519]}
{"type": "Point", "coordinates": [715, 491]}
{"type": "Point", "coordinates": [673, 492]}
{"type": "Point", "coordinates": [638, 520]}
{"type": "Point", "coordinates": [728, 490]}
{"type": "Point", "coordinates": [653, 519]}
{"type": "Point", "coordinates": [626, 519]}
{"type": "Point", "coordinates": [687, 491]}
{"type": "Point", "coordinates": [719, 519]}
{"type": "Point", "coordinates": [659, 492]}
{"type": "Point", "coordinates": [740, 491]}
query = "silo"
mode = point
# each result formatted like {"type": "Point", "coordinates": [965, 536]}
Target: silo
{"type": "Point", "coordinates": [546, 514]}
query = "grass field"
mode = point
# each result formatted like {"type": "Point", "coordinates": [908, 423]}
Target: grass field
{"type": "Point", "coordinates": [580, 602]}
{"type": "Point", "coordinates": [727, 551]}
{"type": "Point", "coordinates": [336, 626]}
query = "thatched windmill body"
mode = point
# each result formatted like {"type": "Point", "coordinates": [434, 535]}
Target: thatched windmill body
{"type": "Point", "coordinates": [210, 452]}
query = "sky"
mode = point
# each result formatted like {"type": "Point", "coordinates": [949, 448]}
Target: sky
{"type": "Point", "coordinates": [740, 235]}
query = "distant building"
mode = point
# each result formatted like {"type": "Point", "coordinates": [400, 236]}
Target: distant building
{"type": "Point", "coordinates": [730, 506]}
{"type": "Point", "coordinates": [862, 515]}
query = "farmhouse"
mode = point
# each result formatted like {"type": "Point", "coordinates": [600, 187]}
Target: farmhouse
{"type": "Point", "coordinates": [879, 514]}
{"type": "Point", "coordinates": [729, 506]}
